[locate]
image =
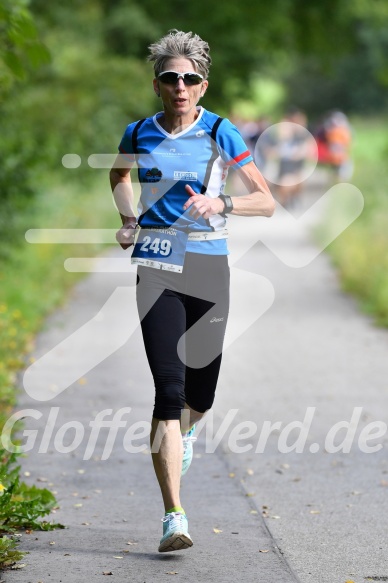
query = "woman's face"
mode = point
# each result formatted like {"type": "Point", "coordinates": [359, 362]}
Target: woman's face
{"type": "Point", "coordinates": [179, 100]}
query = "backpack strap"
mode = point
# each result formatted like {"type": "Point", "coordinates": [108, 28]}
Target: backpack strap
{"type": "Point", "coordinates": [134, 134]}
{"type": "Point", "coordinates": [214, 155]}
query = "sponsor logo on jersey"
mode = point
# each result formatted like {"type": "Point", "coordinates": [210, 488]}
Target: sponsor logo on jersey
{"type": "Point", "coordinates": [189, 176]}
{"type": "Point", "coordinates": [214, 319]}
{"type": "Point", "coordinates": [200, 133]}
{"type": "Point", "coordinates": [152, 175]}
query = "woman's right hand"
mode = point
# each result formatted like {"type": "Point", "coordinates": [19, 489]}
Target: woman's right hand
{"type": "Point", "coordinates": [126, 235]}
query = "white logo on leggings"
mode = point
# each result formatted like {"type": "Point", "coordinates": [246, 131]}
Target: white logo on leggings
{"type": "Point", "coordinates": [216, 320]}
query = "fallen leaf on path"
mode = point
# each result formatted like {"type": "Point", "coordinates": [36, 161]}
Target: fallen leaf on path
{"type": "Point", "coordinates": [80, 471]}
{"type": "Point", "coordinates": [171, 572]}
{"type": "Point", "coordinates": [217, 530]}
{"type": "Point", "coordinates": [67, 555]}
{"type": "Point", "coordinates": [85, 523]}
{"type": "Point", "coordinates": [118, 557]}
{"type": "Point", "coordinates": [52, 542]}
{"type": "Point", "coordinates": [253, 512]}
{"type": "Point", "coordinates": [232, 475]}
{"type": "Point", "coordinates": [263, 551]}
{"type": "Point", "coordinates": [18, 566]}
{"type": "Point", "coordinates": [131, 543]}
{"type": "Point", "coordinates": [107, 573]}
{"type": "Point", "coordinates": [315, 512]}
{"type": "Point", "coordinates": [41, 479]}
{"type": "Point", "coordinates": [275, 516]}
{"type": "Point", "coordinates": [27, 474]}
{"type": "Point", "coordinates": [77, 505]}
{"type": "Point", "coordinates": [250, 494]}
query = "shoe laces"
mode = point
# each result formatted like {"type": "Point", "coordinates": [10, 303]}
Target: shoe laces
{"type": "Point", "coordinates": [174, 518]}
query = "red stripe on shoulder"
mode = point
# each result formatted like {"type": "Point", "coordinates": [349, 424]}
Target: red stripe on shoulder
{"type": "Point", "coordinates": [239, 158]}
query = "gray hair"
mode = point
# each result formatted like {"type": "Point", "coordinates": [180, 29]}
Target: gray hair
{"type": "Point", "coordinates": [178, 44]}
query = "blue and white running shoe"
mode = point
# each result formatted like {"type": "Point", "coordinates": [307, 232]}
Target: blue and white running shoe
{"type": "Point", "coordinates": [175, 534]}
{"type": "Point", "coordinates": [188, 441]}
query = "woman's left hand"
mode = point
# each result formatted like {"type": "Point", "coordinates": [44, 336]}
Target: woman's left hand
{"type": "Point", "coordinates": [202, 206]}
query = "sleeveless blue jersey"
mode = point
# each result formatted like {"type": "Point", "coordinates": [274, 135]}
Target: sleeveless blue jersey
{"type": "Point", "coordinates": [167, 162]}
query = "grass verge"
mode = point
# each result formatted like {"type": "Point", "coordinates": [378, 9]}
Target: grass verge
{"type": "Point", "coordinates": [360, 253]}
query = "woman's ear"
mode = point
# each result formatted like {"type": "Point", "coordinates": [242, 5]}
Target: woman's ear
{"type": "Point", "coordinates": [156, 87]}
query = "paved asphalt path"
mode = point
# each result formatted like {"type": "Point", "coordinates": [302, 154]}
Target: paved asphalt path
{"type": "Point", "coordinates": [319, 517]}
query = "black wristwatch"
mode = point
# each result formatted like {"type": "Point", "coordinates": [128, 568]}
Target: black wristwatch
{"type": "Point", "coordinates": [227, 203]}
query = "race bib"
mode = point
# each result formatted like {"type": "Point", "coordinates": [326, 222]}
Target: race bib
{"type": "Point", "coordinates": [161, 249]}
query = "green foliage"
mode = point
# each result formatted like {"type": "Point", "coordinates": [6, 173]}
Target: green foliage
{"type": "Point", "coordinates": [20, 46]}
{"type": "Point", "coordinates": [9, 554]}
{"type": "Point", "coordinates": [21, 506]}
{"type": "Point", "coordinates": [353, 78]}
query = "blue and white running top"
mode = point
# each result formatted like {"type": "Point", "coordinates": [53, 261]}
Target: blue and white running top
{"type": "Point", "coordinates": [167, 162]}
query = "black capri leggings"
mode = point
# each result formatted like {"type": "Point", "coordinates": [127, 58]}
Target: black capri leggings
{"type": "Point", "coordinates": [183, 319]}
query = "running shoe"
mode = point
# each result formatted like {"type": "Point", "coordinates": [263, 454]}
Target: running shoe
{"type": "Point", "coordinates": [175, 534]}
{"type": "Point", "coordinates": [188, 440]}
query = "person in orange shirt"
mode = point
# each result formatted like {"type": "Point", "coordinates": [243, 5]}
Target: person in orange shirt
{"type": "Point", "coordinates": [338, 139]}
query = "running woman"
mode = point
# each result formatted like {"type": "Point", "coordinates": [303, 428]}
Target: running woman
{"type": "Point", "coordinates": [179, 234]}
